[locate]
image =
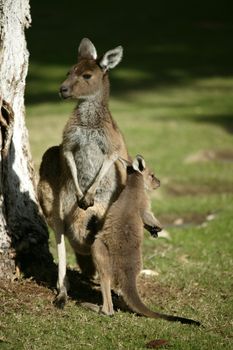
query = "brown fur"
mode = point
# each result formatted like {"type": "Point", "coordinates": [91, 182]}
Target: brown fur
{"type": "Point", "coordinates": [117, 248]}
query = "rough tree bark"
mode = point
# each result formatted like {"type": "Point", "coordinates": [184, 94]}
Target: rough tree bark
{"type": "Point", "coordinates": [23, 232]}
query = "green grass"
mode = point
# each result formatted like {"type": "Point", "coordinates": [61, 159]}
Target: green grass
{"type": "Point", "coordinates": [172, 97]}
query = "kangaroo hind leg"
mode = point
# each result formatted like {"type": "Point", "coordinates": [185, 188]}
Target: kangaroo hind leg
{"type": "Point", "coordinates": [102, 262]}
{"type": "Point", "coordinates": [62, 282]}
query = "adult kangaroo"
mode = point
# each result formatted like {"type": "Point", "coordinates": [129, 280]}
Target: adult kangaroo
{"type": "Point", "coordinates": [81, 178]}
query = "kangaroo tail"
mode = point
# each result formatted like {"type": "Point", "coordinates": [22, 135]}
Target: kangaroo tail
{"type": "Point", "coordinates": [131, 297]}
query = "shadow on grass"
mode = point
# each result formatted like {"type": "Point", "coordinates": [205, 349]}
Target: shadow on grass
{"type": "Point", "coordinates": [164, 44]}
{"type": "Point", "coordinates": [224, 120]}
{"type": "Point", "coordinates": [81, 288]}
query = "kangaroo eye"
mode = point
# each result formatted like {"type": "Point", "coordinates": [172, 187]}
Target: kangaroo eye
{"type": "Point", "coordinates": [87, 76]}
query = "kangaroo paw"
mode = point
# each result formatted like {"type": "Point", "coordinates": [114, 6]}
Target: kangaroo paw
{"type": "Point", "coordinates": [153, 230]}
{"type": "Point", "coordinates": [86, 202]}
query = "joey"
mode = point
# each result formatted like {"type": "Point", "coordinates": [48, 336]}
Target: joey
{"type": "Point", "coordinates": [117, 247]}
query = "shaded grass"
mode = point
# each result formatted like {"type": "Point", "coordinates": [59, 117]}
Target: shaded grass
{"type": "Point", "coordinates": [164, 43]}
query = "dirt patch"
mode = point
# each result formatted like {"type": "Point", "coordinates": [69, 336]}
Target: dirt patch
{"type": "Point", "coordinates": [149, 288]}
{"type": "Point", "coordinates": [183, 219]}
{"type": "Point", "coordinates": [157, 293]}
{"type": "Point", "coordinates": [187, 189]}
{"type": "Point", "coordinates": [26, 295]}
{"type": "Point", "coordinates": [30, 296]}
{"type": "Point", "coordinates": [225, 155]}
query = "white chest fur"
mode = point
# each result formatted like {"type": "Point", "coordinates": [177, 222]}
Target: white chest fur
{"type": "Point", "coordinates": [86, 137]}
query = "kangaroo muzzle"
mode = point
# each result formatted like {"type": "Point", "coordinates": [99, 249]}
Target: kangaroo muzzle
{"type": "Point", "coordinates": [64, 92]}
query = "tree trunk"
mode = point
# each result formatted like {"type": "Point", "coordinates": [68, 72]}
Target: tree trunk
{"type": "Point", "coordinates": [23, 232]}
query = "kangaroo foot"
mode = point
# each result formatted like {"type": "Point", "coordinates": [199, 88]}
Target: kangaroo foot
{"type": "Point", "coordinates": [107, 311]}
{"type": "Point", "coordinates": [60, 300]}
{"type": "Point", "coordinates": [92, 307]}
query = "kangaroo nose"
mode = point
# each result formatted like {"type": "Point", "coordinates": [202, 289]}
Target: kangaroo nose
{"type": "Point", "coordinates": [63, 89]}
{"type": "Point", "coordinates": [64, 92]}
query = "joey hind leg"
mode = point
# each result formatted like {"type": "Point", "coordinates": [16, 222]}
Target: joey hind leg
{"type": "Point", "coordinates": [62, 282]}
{"type": "Point", "coordinates": [84, 224]}
{"type": "Point", "coordinates": [102, 262]}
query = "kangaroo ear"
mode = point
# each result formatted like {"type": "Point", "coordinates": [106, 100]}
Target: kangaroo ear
{"type": "Point", "coordinates": [124, 162]}
{"type": "Point", "coordinates": [87, 50]}
{"type": "Point", "coordinates": [139, 164]}
{"type": "Point", "coordinates": [111, 58]}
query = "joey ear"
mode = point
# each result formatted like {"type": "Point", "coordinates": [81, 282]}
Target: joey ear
{"type": "Point", "coordinates": [87, 50]}
{"type": "Point", "coordinates": [111, 58]}
{"type": "Point", "coordinates": [139, 164]}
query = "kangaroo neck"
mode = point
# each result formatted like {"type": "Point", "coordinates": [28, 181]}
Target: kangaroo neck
{"type": "Point", "coordinates": [134, 187]}
{"type": "Point", "coordinates": [135, 180]}
{"type": "Point", "coordinates": [92, 111]}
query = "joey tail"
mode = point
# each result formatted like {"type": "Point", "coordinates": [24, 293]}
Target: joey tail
{"type": "Point", "coordinates": [131, 297]}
